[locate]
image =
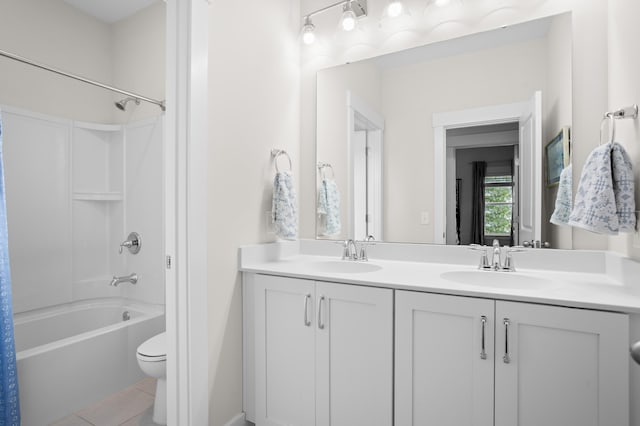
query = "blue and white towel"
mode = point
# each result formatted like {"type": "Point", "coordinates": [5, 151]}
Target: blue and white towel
{"type": "Point", "coordinates": [329, 208]}
{"type": "Point", "coordinates": [284, 211]}
{"type": "Point", "coordinates": [605, 200]}
{"type": "Point", "coordinates": [623, 188]}
{"type": "Point", "coordinates": [564, 198]}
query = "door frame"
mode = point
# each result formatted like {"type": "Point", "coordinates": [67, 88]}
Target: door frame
{"type": "Point", "coordinates": [443, 121]}
{"type": "Point", "coordinates": [185, 202]}
{"type": "Point", "coordinates": [356, 105]}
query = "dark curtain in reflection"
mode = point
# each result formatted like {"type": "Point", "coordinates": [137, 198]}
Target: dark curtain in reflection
{"type": "Point", "coordinates": [477, 219]}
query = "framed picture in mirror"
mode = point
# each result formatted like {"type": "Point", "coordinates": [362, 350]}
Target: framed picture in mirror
{"type": "Point", "coordinates": [557, 155]}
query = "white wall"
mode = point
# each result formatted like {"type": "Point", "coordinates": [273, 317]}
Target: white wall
{"type": "Point", "coordinates": [138, 52]}
{"type": "Point", "coordinates": [624, 90]}
{"type": "Point", "coordinates": [589, 69]}
{"type": "Point", "coordinates": [254, 106]}
{"type": "Point", "coordinates": [55, 34]}
{"type": "Point", "coordinates": [128, 54]}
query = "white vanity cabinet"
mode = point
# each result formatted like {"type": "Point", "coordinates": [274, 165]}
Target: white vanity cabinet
{"type": "Point", "coordinates": [441, 376]}
{"type": "Point", "coordinates": [470, 361]}
{"type": "Point", "coordinates": [566, 366]}
{"type": "Point", "coordinates": [323, 353]}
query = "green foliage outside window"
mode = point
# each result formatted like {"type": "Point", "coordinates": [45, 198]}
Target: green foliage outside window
{"type": "Point", "coordinates": [498, 211]}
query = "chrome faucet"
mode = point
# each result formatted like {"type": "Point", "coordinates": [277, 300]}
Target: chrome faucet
{"type": "Point", "coordinates": [496, 263]}
{"type": "Point", "coordinates": [350, 248]}
{"type": "Point", "coordinates": [132, 278]}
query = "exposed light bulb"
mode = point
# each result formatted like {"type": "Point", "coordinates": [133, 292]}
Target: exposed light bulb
{"type": "Point", "coordinates": [395, 9]}
{"type": "Point", "coordinates": [348, 20]}
{"type": "Point", "coordinates": [308, 31]}
{"type": "Point", "coordinates": [308, 37]}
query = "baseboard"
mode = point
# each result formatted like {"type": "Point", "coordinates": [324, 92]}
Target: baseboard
{"type": "Point", "coordinates": [238, 421]}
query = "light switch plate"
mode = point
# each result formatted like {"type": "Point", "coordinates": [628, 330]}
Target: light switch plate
{"type": "Point", "coordinates": [424, 218]}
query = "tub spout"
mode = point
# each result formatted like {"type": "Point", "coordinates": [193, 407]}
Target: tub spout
{"type": "Point", "coordinates": [132, 278]}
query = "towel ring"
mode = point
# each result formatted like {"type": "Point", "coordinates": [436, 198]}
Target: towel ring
{"type": "Point", "coordinates": [276, 153]}
{"type": "Point", "coordinates": [323, 166]}
{"type": "Point", "coordinates": [612, 126]}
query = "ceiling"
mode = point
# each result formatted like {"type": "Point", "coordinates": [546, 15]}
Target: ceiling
{"type": "Point", "coordinates": [110, 11]}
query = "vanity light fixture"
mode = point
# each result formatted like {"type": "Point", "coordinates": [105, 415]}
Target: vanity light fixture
{"type": "Point", "coordinates": [308, 31]}
{"type": "Point", "coordinates": [348, 20]}
{"type": "Point", "coordinates": [352, 10]}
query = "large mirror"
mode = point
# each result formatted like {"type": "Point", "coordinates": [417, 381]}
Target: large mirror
{"type": "Point", "coordinates": [445, 143]}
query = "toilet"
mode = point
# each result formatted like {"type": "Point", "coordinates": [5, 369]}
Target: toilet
{"type": "Point", "coordinates": [152, 359]}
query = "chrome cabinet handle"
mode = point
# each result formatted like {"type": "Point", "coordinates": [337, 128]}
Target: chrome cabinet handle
{"type": "Point", "coordinates": [307, 321]}
{"type": "Point", "coordinates": [506, 358]}
{"type": "Point", "coordinates": [320, 321]}
{"type": "Point", "coordinates": [483, 352]}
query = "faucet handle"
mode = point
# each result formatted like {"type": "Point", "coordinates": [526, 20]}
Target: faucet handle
{"type": "Point", "coordinates": [508, 260]}
{"type": "Point", "coordinates": [124, 244]}
{"type": "Point", "coordinates": [484, 260]}
{"type": "Point", "coordinates": [369, 241]}
{"type": "Point", "coordinates": [133, 243]}
{"type": "Point", "coordinates": [508, 263]}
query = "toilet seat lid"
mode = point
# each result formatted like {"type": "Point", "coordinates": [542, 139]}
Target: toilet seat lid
{"type": "Point", "coordinates": [155, 347]}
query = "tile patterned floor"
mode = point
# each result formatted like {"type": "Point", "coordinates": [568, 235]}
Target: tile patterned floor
{"type": "Point", "coordinates": [132, 406]}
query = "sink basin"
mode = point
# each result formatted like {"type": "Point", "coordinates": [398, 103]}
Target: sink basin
{"type": "Point", "coordinates": [343, 267]}
{"type": "Point", "coordinates": [497, 279]}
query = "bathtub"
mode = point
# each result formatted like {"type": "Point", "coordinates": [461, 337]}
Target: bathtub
{"type": "Point", "coordinates": [70, 356]}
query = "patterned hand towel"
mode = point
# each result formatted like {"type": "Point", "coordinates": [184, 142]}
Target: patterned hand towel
{"type": "Point", "coordinates": [605, 200]}
{"type": "Point", "coordinates": [284, 210]}
{"type": "Point", "coordinates": [623, 188]}
{"type": "Point", "coordinates": [564, 198]}
{"type": "Point", "coordinates": [595, 205]}
{"type": "Point", "coordinates": [329, 207]}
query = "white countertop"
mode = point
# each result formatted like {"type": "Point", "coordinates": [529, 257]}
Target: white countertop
{"type": "Point", "coordinates": [600, 288]}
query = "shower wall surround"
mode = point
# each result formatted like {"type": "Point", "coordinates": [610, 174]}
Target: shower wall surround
{"type": "Point", "coordinates": [74, 191]}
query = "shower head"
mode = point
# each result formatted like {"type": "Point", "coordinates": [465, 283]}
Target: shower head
{"type": "Point", "coordinates": [122, 104]}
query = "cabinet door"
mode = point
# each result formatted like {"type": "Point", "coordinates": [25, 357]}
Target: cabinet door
{"type": "Point", "coordinates": [285, 351]}
{"type": "Point", "coordinates": [564, 367]}
{"type": "Point", "coordinates": [443, 375]}
{"type": "Point", "coordinates": [354, 355]}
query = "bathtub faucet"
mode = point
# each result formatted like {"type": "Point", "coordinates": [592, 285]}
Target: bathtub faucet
{"type": "Point", "coordinates": [132, 278]}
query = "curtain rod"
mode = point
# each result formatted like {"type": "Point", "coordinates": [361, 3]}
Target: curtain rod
{"type": "Point", "coordinates": [79, 78]}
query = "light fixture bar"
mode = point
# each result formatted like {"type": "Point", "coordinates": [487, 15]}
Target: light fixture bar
{"type": "Point", "coordinates": [352, 10]}
{"type": "Point", "coordinates": [359, 7]}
